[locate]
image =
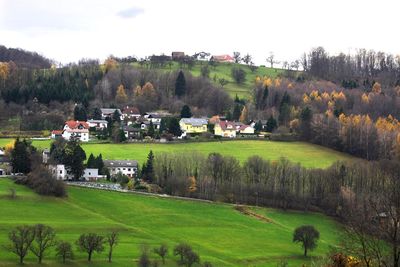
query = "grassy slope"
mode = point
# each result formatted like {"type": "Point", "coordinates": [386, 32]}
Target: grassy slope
{"type": "Point", "coordinates": [223, 70]}
{"type": "Point", "coordinates": [308, 155]}
{"type": "Point", "coordinates": [218, 232]}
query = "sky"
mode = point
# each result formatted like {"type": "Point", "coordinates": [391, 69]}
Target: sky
{"type": "Point", "coordinates": [68, 30]}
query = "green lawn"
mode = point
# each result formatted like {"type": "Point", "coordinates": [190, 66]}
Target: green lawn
{"type": "Point", "coordinates": [223, 70]}
{"type": "Point", "coordinates": [218, 232]}
{"type": "Point", "coordinates": [309, 155]}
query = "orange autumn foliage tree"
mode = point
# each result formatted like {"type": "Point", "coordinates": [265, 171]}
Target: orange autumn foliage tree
{"type": "Point", "coordinates": [121, 97]}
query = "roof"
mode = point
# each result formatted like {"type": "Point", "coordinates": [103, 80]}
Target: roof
{"type": "Point", "coordinates": [57, 132]}
{"type": "Point", "coordinates": [243, 127]}
{"type": "Point", "coordinates": [76, 124]}
{"type": "Point", "coordinates": [97, 121]}
{"type": "Point", "coordinates": [161, 114]}
{"type": "Point", "coordinates": [194, 121]}
{"type": "Point", "coordinates": [131, 110]}
{"type": "Point", "coordinates": [2, 152]}
{"type": "Point", "coordinates": [76, 130]}
{"type": "Point", "coordinates": [131, 129]}
{"type": "Point", "coordinates": [227, 125]}
{"type": "Point", "coordinates": [109, 111]}
{"type": "Point", "coordinates": [223, 58]}
{"type": "Point", "coordinates": [120, 163]}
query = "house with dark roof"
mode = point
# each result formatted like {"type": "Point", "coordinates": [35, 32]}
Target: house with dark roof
{"type": "Point", "coordinates": [177, 55]}
{"type": "Point", "coordinates": [130, 113]}
{"type": "Point", "coordinates": [98, 124]}
{"type": "Point", "coordinates": [126, 167]}
{"type": "Point", "coordinates": [132, 132]}
{"type": "Point", "coordinates": [109, 112]}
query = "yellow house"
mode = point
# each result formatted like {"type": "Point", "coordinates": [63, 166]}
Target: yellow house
{"type": "Point", "coordinates": [193, 125]}
{"type": "Point", "coordinates": [225, 129]}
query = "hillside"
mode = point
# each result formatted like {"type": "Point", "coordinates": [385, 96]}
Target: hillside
{"type": "Point", "coordinates": [223, 71]}
{"type": "Point", "coordinates": [23, 58]}
{"type": "Point", "coordinates": [308, 155]}
{"type": "Point", "coordinates": [154, 220]}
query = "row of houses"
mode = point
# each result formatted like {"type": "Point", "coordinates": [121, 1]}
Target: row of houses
{"type": "Point", "coordinates": [203, 56]}
{"type": "Point", "coordinates": [60, 172]}
{"type": "Point", "coordinates": [5, 165]}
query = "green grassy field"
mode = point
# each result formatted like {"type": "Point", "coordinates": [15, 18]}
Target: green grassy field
{"type": "Point", "coordinates": [309, 155]}
{"type": "Point", "coordinates": [223, 70]}
{"type": "Point", "coordinates": [218, 232]}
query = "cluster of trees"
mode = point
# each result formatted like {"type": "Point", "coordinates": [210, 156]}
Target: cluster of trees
{"type": "Point", "coordinates": [339, 191]}
{"type": "Point", "coordinates": [353, 70]}
{"type": "Point", "coordinates": [23, 58]}
{"type": "Point", "coordinates": [40, 238]}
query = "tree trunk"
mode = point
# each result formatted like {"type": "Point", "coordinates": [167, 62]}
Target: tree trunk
{"type": "Point", "coordinates": [63, 258]}
{"type": "Point", "coordinates": [90, 256]}
{"type": "Point", "coordinates": [21, 259]}
{"type": "Point", "coordinates": [305, 252]}
{"type": "Point", "coordinates": [110, 255]}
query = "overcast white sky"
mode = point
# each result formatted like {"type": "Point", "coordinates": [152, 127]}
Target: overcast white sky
{"type": "Point", "coordinates": [67, 30]}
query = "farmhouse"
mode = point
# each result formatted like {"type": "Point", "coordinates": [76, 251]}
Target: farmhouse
{"type": "Point", "coordinates": [177, 55]}
{"type": "Point", "coordinates": [76, 129]}
{"type": "Point", "coordinates": [193, 125]}
{"type": "Point", "coordinates": [202, 56]}
{"type": "Point", "coordinates": [109, 112]}
{"type": "Point", "coordinates": [60, 173]}
{"type": "Point", "coordinates": [225, 129]}
{"type": "Point", "coordinates": [155, 117]}
{"type": "Point", "coordinates": [126, 167]}
{"type": "Point", "coordinates": [131, 132]}
{"type": "Point", "coordinates": [245, 129]}
{"type": "Point", "coordinates": [56, 134]}
{"type": "Point", "coordinates": [130, 113]}
{"type": "Point", "coordinates": [223, 58]}
{"type": "Point", "coordinates": [98, 124]}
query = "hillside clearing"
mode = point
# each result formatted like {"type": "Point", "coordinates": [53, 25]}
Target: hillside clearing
{"type": "Point", "coordinates": [308, 155]}
{"type": "Point", "coordinates": [153, 220]}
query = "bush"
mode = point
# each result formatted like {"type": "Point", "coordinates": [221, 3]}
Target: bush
{"type": "Point", "coordinates": [43, 183]}
{"type": "Point", "coordinates": [239, 75]}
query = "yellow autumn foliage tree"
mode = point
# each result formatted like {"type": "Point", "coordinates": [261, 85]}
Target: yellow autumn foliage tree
{"type": "Point", "coordinates": [377, 88]}
{"type": "Point", "coordinates": [121, 96]}
{"type": "Point", "coordinates": [243, 115]}
{"type": "Point", "coordinates": [192, 184]}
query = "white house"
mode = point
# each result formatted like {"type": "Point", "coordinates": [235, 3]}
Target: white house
{"type": "Point", "coordinates": [58, 171]}
{"type": "Point", "coordinates": [155, 117]}
{"type": "Point", "coordinates": [91, 174]}
{"type": "Point", "coordinates": [76, 129]}
{"type": "Point", "coordinates": [98, 124]}
{"type": "Point", "coordinates": [131, 113]}
{"type": "Point", "coordinates": [126, 167]}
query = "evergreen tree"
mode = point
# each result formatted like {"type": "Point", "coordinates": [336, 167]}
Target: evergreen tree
{"type": "Point", "coordinates": [271, 124]}
{"type": "Point", "coordinates": [186, 112]}
{"type": "Point", "coordinates": [148, 168]}
{"type": "Point", "coordinates": [284, 109]}
{"type": "Point", "coordinates": [21, 156]}
{"type": "Point", "coordinates": [73, 159]}
{"type": "Point", "coordinates": [151, 131]}
{"type": "Point", "coordinates": [305, 123]}
{"type": "Point", "coordinates": [237, 110]}
{"type": "Point", "coordinates": [97, 114]}
{"type": "Point", "coordinates": [80, 113]}
{"type": "Point", "coordinates": [91, 162]}
{"type": "Point", "coordinates": [180, 85]}
{"type": "Point", "coordinates": [258, 127]}
{"type": "Point", "coordinates": [174, 127]}
{"type": "Point", "coordinates": [100, 164]}
{"type": "Point", "coordinates": [163, 125]}
{"type": "Point", "coordinates": [116, 116]}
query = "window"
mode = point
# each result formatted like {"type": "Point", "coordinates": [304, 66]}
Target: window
{"type": "Point", "coordinates": [124, 169]}
{"type": "Point", "coordinates": [90, 173]}
{"type": "Point", "coordinates": [60, 171]}
{"type": "Point", "coordinates": [129, 169]}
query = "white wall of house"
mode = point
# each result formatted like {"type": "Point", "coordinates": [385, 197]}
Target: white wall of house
{"type": "Point", "coordinates": [59, 171]}
{"type": "Point", "coordinates": [83, 136]}
{"type": "Point", "coordinates": [128, 171]}
{"type": "Point", "coordinates": [91, 174]}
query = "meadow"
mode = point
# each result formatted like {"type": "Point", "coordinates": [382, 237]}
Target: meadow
{"type": "Point", "coordinates": [223, 71]}
{"type": "Point", "coordinates": [308, 155]}
{"type": "Point", "coordinates": [218, 232]}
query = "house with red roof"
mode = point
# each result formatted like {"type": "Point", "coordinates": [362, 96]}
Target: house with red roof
{"type": "Point", "coordinates": [225, 129]}
{"type": "Point", "coordinates": [130, 113]}
{"type": "Point", "coordinates": [73, 129]}
{"type": "Point", "coordinates": [223, 58]}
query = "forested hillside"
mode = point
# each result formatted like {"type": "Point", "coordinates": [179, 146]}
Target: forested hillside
{"type": "Point", "coordinates": [348, 102]}
{"type": "Point", "coordinates": [23, 59]}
